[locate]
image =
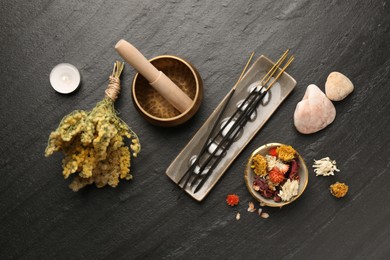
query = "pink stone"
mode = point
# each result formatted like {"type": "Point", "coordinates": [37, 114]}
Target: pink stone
{"type": "Point", "coordinates": [314, 112]}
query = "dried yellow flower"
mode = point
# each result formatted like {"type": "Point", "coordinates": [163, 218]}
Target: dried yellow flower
{"type": "Point", "coordinates": [338, 189]}
{"type": "Point", "coordinates": [259, 165]}
{"type": "Point", "coordinates": [286, 153]}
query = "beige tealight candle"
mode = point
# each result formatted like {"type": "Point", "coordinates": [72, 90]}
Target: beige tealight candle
{"type": "Point", "coordinates": [64, 78]}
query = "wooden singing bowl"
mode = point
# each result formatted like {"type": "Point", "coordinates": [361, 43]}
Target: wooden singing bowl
{"type": "Point", "coordinates": [153, 107]}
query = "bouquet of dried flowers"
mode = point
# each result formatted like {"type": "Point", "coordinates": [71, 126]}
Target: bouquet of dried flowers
{"type": "Point", "coordinates": [94, 141]}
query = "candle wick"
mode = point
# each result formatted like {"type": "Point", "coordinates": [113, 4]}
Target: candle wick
{"type": "Point", "coordinates": [65, 78]}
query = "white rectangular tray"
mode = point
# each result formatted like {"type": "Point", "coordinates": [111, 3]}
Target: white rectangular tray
{"type": "Point", "coordinates": [277, 94]}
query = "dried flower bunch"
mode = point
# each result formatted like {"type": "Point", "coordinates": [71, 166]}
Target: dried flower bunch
{"type": "Point", "coordinates": [94, 142]}
{"type": "Point", "coordinates": [276, 173]}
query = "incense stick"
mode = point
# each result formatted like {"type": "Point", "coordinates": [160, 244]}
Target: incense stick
{"type": "Point", "coordinates": [230, 142]}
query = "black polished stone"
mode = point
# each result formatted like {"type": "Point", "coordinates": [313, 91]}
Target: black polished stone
{"type": "Point", "coordinates": [42, 219]}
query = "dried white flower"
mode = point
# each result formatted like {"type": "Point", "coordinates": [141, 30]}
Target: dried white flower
{"type": "Point", "coordinates": [289, 190]}
{"type": "Point", "coordinates": [272, 162]}
{"type": "Point", "coordinates": [325, 167]}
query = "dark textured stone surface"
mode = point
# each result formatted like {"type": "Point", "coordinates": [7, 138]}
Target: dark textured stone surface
{"type": "Point", "coordinates": [42, 219]}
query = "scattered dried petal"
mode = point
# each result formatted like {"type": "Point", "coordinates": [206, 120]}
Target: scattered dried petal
{"type": "Point", "coordinates": [251, 207]}
{"type": "Point", "coordinates": [256, 187]}
{"type": "Point", "coordinates": [262, 204]}
{"type": "Point", "coordinates": [264, 215]}
{"type": "Point", "coordinates": [259, 211]}
{"type": "Point", "coordinates": [238, 216]}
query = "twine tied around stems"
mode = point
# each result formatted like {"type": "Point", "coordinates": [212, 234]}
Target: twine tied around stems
{"type": "Point", "coordinates": [114, 87]}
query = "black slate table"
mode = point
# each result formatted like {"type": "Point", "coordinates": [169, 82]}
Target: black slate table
{"type": "Point", "coordinates": [142, 219]}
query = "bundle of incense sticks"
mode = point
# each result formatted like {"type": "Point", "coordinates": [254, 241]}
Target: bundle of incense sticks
{"type": "Point", "coordinates": [196, 175]}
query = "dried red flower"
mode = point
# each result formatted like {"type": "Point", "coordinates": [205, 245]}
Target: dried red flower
{"type": "Point", "coordinates": [232, 199]}
{"type": "Point", "coordinates": [276, 176]}
{"type": "Point", "coordinates": [273, 151]}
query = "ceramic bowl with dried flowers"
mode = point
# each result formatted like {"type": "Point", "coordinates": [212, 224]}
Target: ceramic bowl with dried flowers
{"type": "Point", "coordinates": [276, 174]}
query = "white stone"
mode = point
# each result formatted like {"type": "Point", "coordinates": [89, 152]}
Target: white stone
{"type": "Point", "coordinates": [338, 86]}
{"type": "Point", "coordinates": [314, 112]}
